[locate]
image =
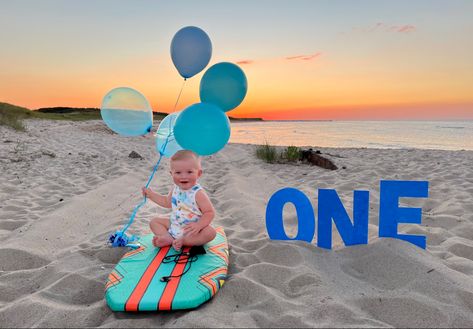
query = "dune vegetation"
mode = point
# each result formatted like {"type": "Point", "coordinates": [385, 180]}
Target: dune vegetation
{"type": "Point", "coordinates": [13, 116]}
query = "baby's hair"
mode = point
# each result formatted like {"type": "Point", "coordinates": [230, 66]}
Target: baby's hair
{"type": "Point", "coordinates": [186, 155]}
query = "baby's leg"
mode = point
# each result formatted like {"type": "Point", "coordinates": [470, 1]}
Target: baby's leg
{"type": "Point", "coordinates": [159, 226]}
{"type": "Point", "coordinates": [207, 234]}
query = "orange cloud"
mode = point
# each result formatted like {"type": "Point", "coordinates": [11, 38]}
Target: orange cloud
{"type": "Point", "coordinates": [287, 58]}
{"type": "Point", "coordinates": [245, 62]}
{"type": "Point", "coordinates": [382, 27]}
{"type": "Point", "coordinates": [406, 28]}
{"type": "Point", "coordinates": [305, 57]}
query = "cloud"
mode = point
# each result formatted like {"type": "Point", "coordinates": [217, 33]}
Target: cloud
{"type": "Point", "coordinates": [304, 57]}
{"type": "Point", "coordinates": [309, 57]}
{"type": "Point", "coordinates": [382, 27]}
{"type": "Point", "coordinates": [406, 28]}
{"type": "Point", "coordinates": [245, 62]}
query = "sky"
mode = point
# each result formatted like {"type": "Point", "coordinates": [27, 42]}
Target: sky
{"type": "Point", "coordinates": [304, 60]}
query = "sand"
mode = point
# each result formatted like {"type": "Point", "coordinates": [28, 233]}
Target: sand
{"type": "Point", "coordinates": [66, 186]}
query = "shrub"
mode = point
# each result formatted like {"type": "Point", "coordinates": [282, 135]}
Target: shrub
{"type": "Point", "coordinates": [291, 153]}
{"type": "Point", "coordinates": [12, 116]}
{"type": "Point", "coordinates": [267, 153]}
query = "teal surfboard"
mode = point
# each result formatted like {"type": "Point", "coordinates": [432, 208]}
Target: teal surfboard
{"type": "Point", "coordinates": [136, 282]}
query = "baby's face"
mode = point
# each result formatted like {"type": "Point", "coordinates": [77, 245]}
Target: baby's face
{"type": "Point", "coordinates": [185, 173]}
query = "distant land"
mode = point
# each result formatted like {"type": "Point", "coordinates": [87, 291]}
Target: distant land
{"type": "Point", "coordinates": [12, 115]}
{"type": "Point", "coordinates": [91, 111]}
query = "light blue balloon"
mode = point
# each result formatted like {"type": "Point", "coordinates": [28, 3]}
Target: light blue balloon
{"type": "Point", "coordinates": [203, 128]}
{"type": "Point", "coordinates": [166, 143]}
{"type": "Point", "coordinates": [127, 112]}
{"type": "Point", "coordinates": [191, 50]}
{"type": "Point", "coordinates": [223, 84]}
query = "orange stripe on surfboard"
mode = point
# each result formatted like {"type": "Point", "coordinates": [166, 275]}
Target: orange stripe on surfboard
{"type": "Point", "coordinates": [167, 296]}
{"type": "Point", "coordinates": [140, 289]}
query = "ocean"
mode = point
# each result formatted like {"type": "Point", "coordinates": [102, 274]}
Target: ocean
{"type": "Point", "coordinates": [441, 135]}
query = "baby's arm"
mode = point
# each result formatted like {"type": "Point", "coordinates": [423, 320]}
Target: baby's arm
{"type": "Point", "coordinates": [208, 214]}
{"type": "Point", "coordinates": [162, 200]}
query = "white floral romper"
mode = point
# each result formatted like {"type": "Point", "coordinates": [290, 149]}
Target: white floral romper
{"type": "Point", "coordinates": [184, 209]}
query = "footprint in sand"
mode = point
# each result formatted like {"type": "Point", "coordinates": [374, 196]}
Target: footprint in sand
{"type": "Point", "coordinates": [105, 254]}
{"type": "Point", "coordinates": [371, 268]}
{"type": "Point", "coordinates": [424, 316]}
{"type": "Point", "coordinates": [462, 250]}
{"type": "Point", "coordinates": [299, 284]}
{"type": "Point", "coordinates": [15, 259]}
{"type": "Point", "coordinates": [11, 225]}
{"type": "Point", "coordinates": [75, 289]}
{"type": "Point", "coordinates": [280, 254]}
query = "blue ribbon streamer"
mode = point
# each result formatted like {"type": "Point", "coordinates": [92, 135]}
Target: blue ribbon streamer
{"type": "Point", "coordinates": [120, 239]}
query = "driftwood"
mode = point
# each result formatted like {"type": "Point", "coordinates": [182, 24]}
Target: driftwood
{"type": "Point", "coordinates": [314, 158]}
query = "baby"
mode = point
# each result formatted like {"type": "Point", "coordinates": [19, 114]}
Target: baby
{"type": "Point", "coordinates": [192, 211]}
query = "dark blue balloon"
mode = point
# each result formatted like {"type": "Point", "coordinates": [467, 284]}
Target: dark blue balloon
{"type": "Point", "coordinates": [191, 50]}
{"type": "Point", "coordinates": [203, 128]}
{"type": "Point", "coordinates": [223, 84]}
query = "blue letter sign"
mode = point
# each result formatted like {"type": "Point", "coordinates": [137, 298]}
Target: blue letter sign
{"type": "Point", "coordinates": [305, 215]}
{"type": "Point", "coordinates": [390, 214]}
{"type": "Point", "coordinates": [330, 207]}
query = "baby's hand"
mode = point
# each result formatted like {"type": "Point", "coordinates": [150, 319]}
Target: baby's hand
{"type": "Point", "coordinates": [145, 191]}
{"type": "Point", "coordinates": [192, 229]}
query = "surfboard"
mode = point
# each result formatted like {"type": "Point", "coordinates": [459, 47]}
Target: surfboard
{"type": "Point", "coordinates": [136, 283]}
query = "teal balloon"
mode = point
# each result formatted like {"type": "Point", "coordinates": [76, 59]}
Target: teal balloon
{"type": "Point", "coordinates": [223, 84]}
{"type": "Point", "coordinates": [191, 50]}
{"type": "Point", "coordinates": [166, 143]}
{"type": "Point", "coordinates": [127, 112]}
{"type": "Point", "coordinates": [203, 128]}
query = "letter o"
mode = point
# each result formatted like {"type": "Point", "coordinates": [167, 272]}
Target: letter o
{"type": "Point", "coordinates": [305, 215]}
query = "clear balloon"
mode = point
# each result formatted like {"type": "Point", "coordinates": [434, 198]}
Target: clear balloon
{"type": "Point", "coordinates": [166, 143]}
{"type": "Point", "coordinates": [127, 112]}
{"type": "Point", "coordinates": [223, 84]}
{"type": "Point", "coordinates": [203, 128]}
{"type": "Point", "coordinates": [191, 50]}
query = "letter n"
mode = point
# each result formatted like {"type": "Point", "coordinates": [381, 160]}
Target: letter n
{"type": "Point", "coordinates": [331, 207]}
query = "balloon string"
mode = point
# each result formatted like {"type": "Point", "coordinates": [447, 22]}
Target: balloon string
{"type": "Point", "coordinates": [161, 153]}
{"type": "Point", "coordinates": [132, 217]}
{"type": "Point", "coordinates": [180, 92]}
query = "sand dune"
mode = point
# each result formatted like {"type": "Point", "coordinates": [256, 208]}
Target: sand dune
{"type": "Point", "coordinates": [66, 186]}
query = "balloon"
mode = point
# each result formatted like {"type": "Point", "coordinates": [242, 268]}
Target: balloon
{"type": "Point", "coordinates": [191, 50]}
{"type": "Point", "coordinates": [203, 128]}
{"type": "Point", "coordinates": [166, 143]}
{"type": "Point", "coordinates": [223, 84]}
{"type": "Point", "coordinates": [127, 112]}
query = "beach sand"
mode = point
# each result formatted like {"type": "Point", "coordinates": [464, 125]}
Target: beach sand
{"type": "Point", "coordinates": [66, 186]}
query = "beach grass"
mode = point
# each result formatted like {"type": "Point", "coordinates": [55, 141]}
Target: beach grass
{"type": "Point", "coordinates": [270, 154]}
{"type": "Point", "coordinates": [12, 116]}
{"type": "Point", "coordinates": [267, 153]}
{"type": "Point", "coordinates": [291, 154]}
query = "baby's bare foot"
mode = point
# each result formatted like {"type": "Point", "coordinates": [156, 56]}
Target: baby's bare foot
{"type": "Point", "coordinates": [177, 244]}
{"type": "Point", "coordinates": [162, 241]}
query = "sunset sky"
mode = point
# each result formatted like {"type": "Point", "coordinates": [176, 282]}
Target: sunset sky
{"type": "Point", "coordinates": [311, 59]}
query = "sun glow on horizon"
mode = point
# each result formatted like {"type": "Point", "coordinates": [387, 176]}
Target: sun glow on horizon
{"type": "Point", "coordinates": [379, 61]}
